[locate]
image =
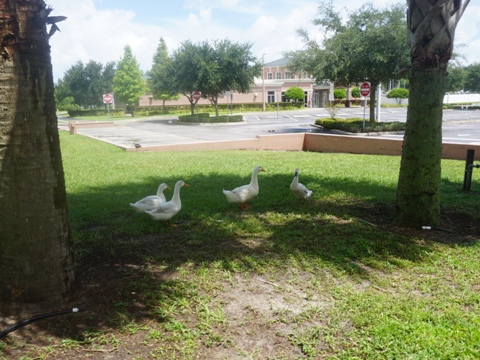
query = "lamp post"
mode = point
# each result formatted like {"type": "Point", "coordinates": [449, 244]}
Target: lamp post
{"type": "Point", "coordinates": [263, 82]}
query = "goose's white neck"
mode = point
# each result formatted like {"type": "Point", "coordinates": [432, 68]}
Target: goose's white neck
{"type": "Point", "coordinates": [295, 178]}
{"type": "Point", "coordinates": [176, 193]}
{"type": "Point", "coordinates": [254, 180]}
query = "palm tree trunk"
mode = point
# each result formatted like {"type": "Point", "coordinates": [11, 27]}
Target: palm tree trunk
{"type": "Point", "coordinates": [418, 201]}
{"type": "Point", "coordinates": [431, 30]}
{"type": "Point", "coordinates": [36, 251]}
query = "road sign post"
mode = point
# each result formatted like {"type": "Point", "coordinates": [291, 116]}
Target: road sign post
{"type": "Point", "coordinates": [108, 99]}
{"type": "Point", "coordinates": [364, 91]}
{"type": "Point", "coordinates": [197, 95]}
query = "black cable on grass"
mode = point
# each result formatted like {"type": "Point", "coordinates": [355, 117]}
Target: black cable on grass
{"type": "Point", "coordinates": [35, 318]}
{"type": "Point", "coordinates": [436, 228]}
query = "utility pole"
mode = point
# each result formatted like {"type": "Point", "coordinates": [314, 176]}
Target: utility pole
{"type": "Point", "coordinates": [263, 81]}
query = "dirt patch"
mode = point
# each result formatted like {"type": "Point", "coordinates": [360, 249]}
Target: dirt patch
{"type": "Point", "coordinates": [262, 315]}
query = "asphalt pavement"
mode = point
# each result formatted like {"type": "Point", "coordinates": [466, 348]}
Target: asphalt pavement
{"type": "Point", "coordinates": [459, 126]}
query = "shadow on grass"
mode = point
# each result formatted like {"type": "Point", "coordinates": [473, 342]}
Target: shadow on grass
{"type": "Point", "coordinates": [129, 264]}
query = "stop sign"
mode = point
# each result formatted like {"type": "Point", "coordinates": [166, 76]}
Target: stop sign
{"type": "Point", "coordinates": [365, 89]}
{"type": "Point", "coordinates": [197, 95]}
{"type": "Point", "coordinates": [107, 98]}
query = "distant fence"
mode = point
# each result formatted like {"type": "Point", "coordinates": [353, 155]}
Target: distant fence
{"type": "Point", "coordinates": [447, 99]}
{"type": "Point", "coordinates": [461, 98]}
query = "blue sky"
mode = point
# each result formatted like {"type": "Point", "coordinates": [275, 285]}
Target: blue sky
{"type": "Point", "coordinates": [99, 29]}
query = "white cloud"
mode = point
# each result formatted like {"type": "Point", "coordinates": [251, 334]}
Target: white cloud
{"type": "Point", "coordinates": [93, 34]}
{"type": "Point", "coordinates": [467, 34]}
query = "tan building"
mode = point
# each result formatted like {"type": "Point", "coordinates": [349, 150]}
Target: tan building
{"type": "Point", "coordinates": [270, 89]}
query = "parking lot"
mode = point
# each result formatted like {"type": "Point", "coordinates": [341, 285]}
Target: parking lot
{"type": "Point", "coordinates": [459, 126]}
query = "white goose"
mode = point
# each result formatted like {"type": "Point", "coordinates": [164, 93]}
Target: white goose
{"type": "Point", "coordinates": [151, 202]}
{"type": "Point", "coordinates": [242, 194]}
{"type": "Point", "coordinates": [298, 189]}
{"type": "Point", "coordinates": [168, 209]}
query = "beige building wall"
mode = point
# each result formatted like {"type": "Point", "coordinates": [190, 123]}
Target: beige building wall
{"type": "Point", "coordinates": [276, 80]}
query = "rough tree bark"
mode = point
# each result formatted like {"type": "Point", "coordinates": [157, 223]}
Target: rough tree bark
{"type": "Point", "coordinates": [36, 251]}
{"type": "Point", "coordinates": [431, 29]}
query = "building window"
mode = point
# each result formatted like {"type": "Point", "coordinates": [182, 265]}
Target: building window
{"type": "Point", "coordinates": [279, 75]}
{"type": "Point", "coordinates": [269, 76]}
{"type": "Point", "coordinates": [287, 75]}
{"type": "Point", "coordinates": [271, 97]}
{"type": "Point", "coordinates": [284, 98]}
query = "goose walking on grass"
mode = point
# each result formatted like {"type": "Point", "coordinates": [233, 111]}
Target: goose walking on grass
{"type": "Point", "coordinates": [151, 202]}
{"type": "Point", "coordinates": [168, 209]}
{"type": "Point", "coordinates": [242, 194]}
{"type": "Point", "coordinates": [298, 189]}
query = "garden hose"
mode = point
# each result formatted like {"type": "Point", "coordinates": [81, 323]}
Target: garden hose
{"type": "Point", "coordinates": [35, 318]}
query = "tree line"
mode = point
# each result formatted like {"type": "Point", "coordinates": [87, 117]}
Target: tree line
{"type": "Point", "coordinates": [370, 46]}
{"type": "Point", "coordinates": [211, 68]}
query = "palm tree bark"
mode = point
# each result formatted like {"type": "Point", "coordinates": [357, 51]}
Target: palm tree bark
{"type": "Point", "coordinates": [431, 29]}
{"type": "Point", "coordinates": [36, 251]}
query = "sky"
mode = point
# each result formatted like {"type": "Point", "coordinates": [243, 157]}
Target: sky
{"type": "Point", "coordinates": [100, 29]}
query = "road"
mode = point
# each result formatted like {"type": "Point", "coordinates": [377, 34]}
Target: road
{"type": "Point", "coordinates": [459, 126]}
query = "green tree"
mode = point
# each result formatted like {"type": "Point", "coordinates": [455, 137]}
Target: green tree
{"type": "Point", "coordinates": [370, 46]}
{"type": "Point", "coordinates": [183, 72]}
{"type": "Point", "coordinates": [398, 94]}
{"type": "Point", "coordinates": [158, 79]}
{"type": "Point", "coordinates": [295, 93]}
{"type": "Point", "coordinates": [213, 69]}
{"type": "Point", "coordinates": [74, 83]}
{"type": "Point", "coordinates": [108, 73]}
{"type": "Point", "coordinates": [431, 34]}
{"type": "Point", "coordinates": [472, 78]}
{"type": "Point", "coordinates": [128, 84]}
{"type": "Point", "coordinates": [67, 103]}
{"type": "Point", "coordinates": [94, 82]}
{"type": "Point", "coordinates": [86, 83]}
{"type": "Point", "coordinates": [234, 68]}
{"type": "Point", "coordinates": [37, 272]}
{"type": "Point", "coordinates": [456, 75]}
{"type": "Point", "coordinates": [62, 91]}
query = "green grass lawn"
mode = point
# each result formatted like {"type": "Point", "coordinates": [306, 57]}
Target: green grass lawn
{"type": "Point", "coordinates": [332, 278]}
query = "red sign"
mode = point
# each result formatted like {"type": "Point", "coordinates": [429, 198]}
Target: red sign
{"type": "Point", "coordinates": [107, 98]}
{"type": "Point", "coordinates": [197, 95]}
{"type": "Point", "coordinates": [365, 89]}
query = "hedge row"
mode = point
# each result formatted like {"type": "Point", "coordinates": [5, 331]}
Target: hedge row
{"type": "Point", "coordinates": [95, 112]}
{"type": "Point", "coordinates": [354, 125]}
{"type": "Point", "coordinates": [168, 109]}
{"type": "Point", "coordinates": [206, 118]}
{"type": "Point", "coordinates": [192, 118]}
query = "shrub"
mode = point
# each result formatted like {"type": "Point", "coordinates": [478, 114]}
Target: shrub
{"type": "Point", "coordinates": [200, 117]}
{"type": "Point", "coordinates": [295, 93]}
{"type": "Point", "coordinates": [67, 104]}
{"type": "Point", "coordinates": [206, 118]}
{"type": "Point", "coordinates": [398, 94]}
{"type": "Point", "coordinates": [339, 93]}
{"type": "Point", "coordinates": [225, 118]}
{"type": "Point", "coordinates": [354, 125]}
{"type": "Point", "coordinates": [356, 92]}
{"type": "Point", "coordinates": [332, 108]}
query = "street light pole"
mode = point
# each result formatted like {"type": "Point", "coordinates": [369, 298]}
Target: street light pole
{"type": "Point", "coordinates": [263, 82]}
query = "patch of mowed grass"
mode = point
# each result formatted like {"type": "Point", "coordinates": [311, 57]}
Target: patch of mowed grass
{"type": "Point", "coordinates": [358, 290]}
